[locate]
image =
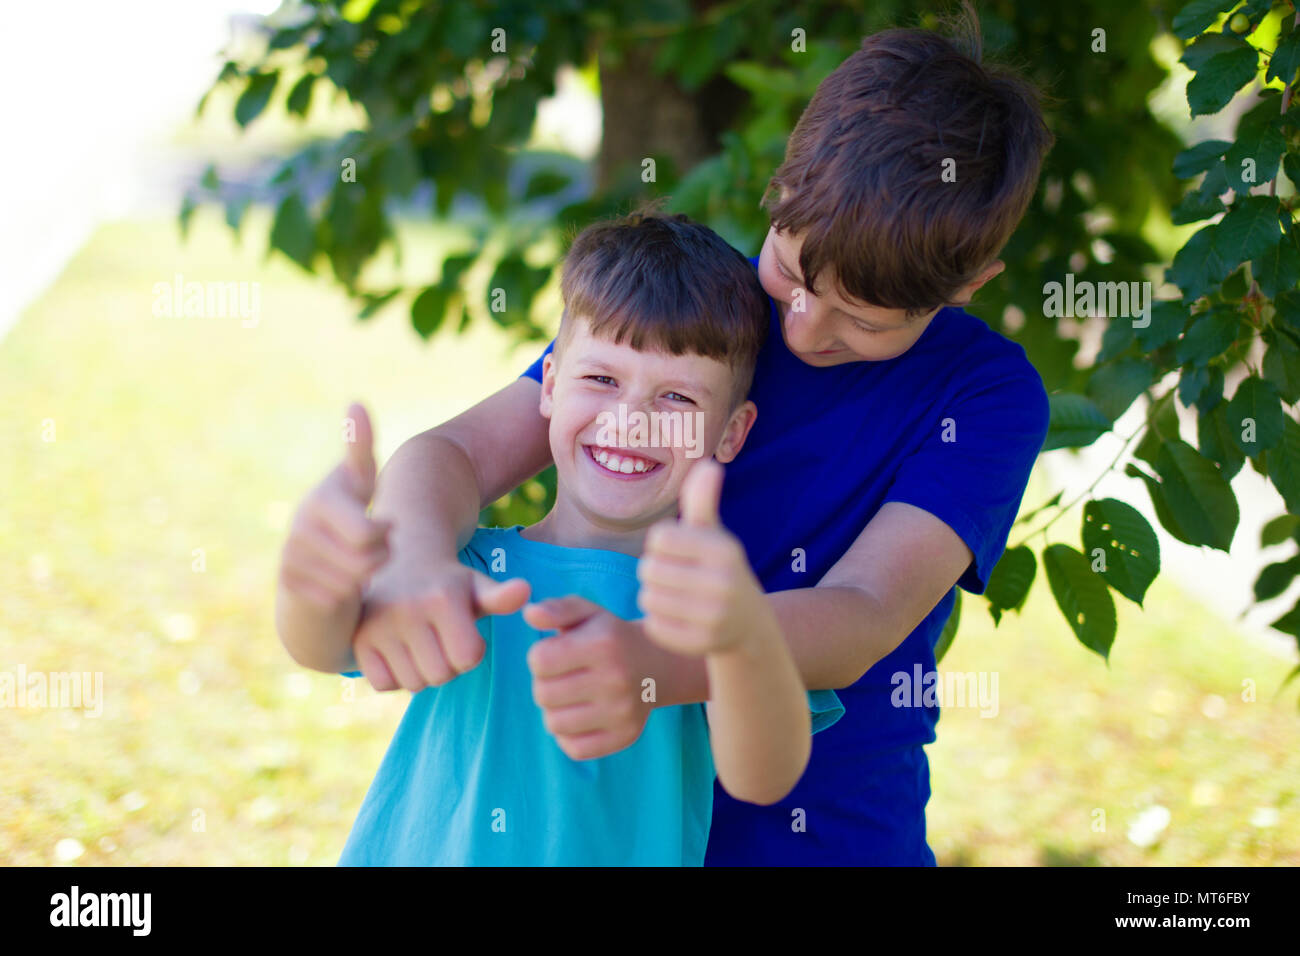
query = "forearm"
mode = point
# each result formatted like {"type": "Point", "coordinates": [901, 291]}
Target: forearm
{"type": "Point", "coordinates": [833, 633]}
{"type": "Point", "coordinates": [316, 638]}
{"type": "Point", "coordinates": [759, 727]}
{"type": "Point", "coordinates": [430, 491]}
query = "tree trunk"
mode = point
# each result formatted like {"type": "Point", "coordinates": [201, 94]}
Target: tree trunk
{"type": "Point", "coordinates": [650, 115]}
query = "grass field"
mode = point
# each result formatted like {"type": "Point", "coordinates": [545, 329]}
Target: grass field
{"type": "Point", "coordinates": [142, 540]}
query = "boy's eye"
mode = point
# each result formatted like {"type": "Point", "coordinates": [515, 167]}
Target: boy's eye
{"type": "Point", "coordinates": [602, 379]}
{"type": "Point", "coordinates": [865, 328]}
{"type": "Point", "coordinates": [678, 397]}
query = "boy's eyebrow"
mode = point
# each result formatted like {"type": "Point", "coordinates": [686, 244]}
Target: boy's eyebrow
{"type": "Point", "coordinates": [781, 262]}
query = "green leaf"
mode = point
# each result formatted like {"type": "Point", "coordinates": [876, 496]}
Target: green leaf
{"type": "Point", "coordinates": [429, 309]}
{"type": "Point", "coordinates": [1050, 503]}
{"type": "Point", "coordinates": [1082, 597]}
{"type": "Point", "coordinates": [1278, 269]}
{"type": "Point", "coordinates": [375, 302]}
{"type": "Point", "coordinates": [1284, 464]}
{"type": "Point", "coordinates": [1199, 158]}
{"type": "Point", "coordinates": [1275, 578]}
{"type": "Point", "coordinates": [1278, 530]}
{"type": "Point", "coordinates": [235, 209]}
{"type": "Point", "coordinates": [1131, 550]}
{"type": "Point", "coordinates": [1255, 401]}
{"type": "Point", "coordinates": [1162, 426]}
{"type": "Point", "coordinates": [1203, 201]}
{"type": "Point", "coordinates": [1282, 368]}
{"type": "Point", "coordinates": [1218, 80]}
{"type": "Point", "coordinates": [1168, 319]}
{"type": "Point", "coordinates": [1287, 308]}
{"type": "Point", "coordinates": [519, 282]}
{"type": "Point", "coordinates": [1199, 266]}
{"type": "Point", "coordinates": [1291, 166]}
{"type": "Point", "coordinates": [399, 170]}
{"type": "Point", "coordinates": [1286, 59]}
{"type": "Point", "coordinates": [255, 97]}
{"type": "Point", "coordinates": [292, 231]}
{"type": "Point", "coordinates": [1211, 333]}
{"type": "Point", "coordinates": [949, 631]}
{"type": "Point", "coordinates": [1198, 496]}
{"type": "Point", "coordinates": [1009, 583]}
{"type": "Point", "coordinates": [1198, 15]}
{"type": "Point", "coordinates": [1262, 142]}
{"type": "Point", "coordinates": [188, 205]}
{"type": "Point", "coordinates": [546, 182]}
{"type": "Point", "coordinates": [764, 81]}
{"type": "Point", "coordinates": [1119, 335]}
{"type": "Point", "coordinates": [1075, 421]}
{"type": "Point", "coordinates": [1289, 623]}
{"type": "Point", "coordinates": [1249, 230]}
{"type": "Point", "coordinates": [1214, 436]}
{"type": "Point", "coordinates": [1114, 387]}
{"type": "Point", "coordinates": [1201, 387]}
{"type": "Point", "coordinates": [299, 100]}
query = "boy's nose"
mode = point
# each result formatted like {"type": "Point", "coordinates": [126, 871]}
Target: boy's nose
{"type": "Point", "coordinates": [804, 329]}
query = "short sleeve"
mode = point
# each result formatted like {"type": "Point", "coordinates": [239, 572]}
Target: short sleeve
{"type": "Point", "coordinates": [971, 471]}
{"type": "Point", "coordinates": [534, 371]}
{"type": "Point", "coordinates": [825, 707]}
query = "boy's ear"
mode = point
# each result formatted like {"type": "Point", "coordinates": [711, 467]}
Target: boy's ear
{"type": "Point", "coordinates": [967, 292]}
{"type": "Point", "coordinates": [737, 430]}
{"type": "Point", "coordinates": [546, 400]}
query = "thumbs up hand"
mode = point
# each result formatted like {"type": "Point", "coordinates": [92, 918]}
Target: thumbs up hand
{"type": "Point", "coordinates": [333, 546]}
{"type": "Point", "coordinates": [697, 589]}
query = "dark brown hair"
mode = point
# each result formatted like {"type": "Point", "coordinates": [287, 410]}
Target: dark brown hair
{"type": "Point", "coordinates": [863, 169]}
{"type": "Point", "coordinates": [665, 282]}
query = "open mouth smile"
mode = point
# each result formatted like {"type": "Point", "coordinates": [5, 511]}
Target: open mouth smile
{"type": "Point", "coordinates": [620, 463]}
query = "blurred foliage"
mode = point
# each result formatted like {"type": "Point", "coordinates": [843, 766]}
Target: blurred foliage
{"type": "Point", "coordinates": [449, 94]}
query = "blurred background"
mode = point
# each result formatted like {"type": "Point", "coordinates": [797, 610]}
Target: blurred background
{"type": "Point", "coordinates": [190, 297]}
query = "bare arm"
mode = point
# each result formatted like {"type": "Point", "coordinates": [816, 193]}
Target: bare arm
{"type": "Point", "coordinates": [900, 567]}
{"type": "Point", "coordinates": [759, 727]}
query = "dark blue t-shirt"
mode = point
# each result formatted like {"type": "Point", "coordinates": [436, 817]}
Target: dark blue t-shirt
{"type": "Point", "coordinates": [952, 426]}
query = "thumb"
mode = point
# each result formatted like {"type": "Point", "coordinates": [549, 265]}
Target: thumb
{"type": "Point", "coordinates": [359, 457]}
{"type": "Point", "coordinates": [701, 492]}
{"type": "Point", "coordinates": [498, 597]}
{"type": "Point", "coordinates": [560, 613]}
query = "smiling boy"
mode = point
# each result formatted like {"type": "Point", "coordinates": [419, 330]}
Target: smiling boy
{"type": "Point", "coordinates": [661, 318]}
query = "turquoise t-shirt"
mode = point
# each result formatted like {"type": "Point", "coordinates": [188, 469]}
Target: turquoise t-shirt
{"type": "Point", "coordinates": [473, 778]}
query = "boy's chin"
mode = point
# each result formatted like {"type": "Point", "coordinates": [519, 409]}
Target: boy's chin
{"type": "Point", "coordinates": [619, 518]}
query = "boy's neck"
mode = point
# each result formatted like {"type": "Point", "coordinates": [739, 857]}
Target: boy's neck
{"type": "Point", "coordinates": [567, 526]}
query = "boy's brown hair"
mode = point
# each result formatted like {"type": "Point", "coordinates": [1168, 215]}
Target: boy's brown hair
{"type": "Point", "coordinates": [666, 282]}
{"type": "Point", "coordinates": [863, 169]}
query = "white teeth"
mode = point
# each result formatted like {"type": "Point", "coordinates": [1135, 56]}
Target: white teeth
{"type": "Point", "coordinates": [625, 466]}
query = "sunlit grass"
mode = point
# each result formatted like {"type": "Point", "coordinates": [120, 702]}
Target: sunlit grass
{"type": "Point", "coordinates": [172, 435]}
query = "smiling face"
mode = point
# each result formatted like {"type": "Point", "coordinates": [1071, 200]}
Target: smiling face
{"type": "Point", "coordinates": [610, 481]}
{"type": "Point", "coordinates": [831, 329]}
